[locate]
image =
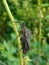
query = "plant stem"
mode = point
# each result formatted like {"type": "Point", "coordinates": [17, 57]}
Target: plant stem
{"type": "Point", "coordinates": [40, 28]}
{"type": "Point", "coordinates": [14, 28]}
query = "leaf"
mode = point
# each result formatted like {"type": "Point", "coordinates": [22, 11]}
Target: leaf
{"type": "Point", "coordinates": [9, 47]}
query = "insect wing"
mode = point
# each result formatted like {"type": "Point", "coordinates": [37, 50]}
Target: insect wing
{"type": "Point", "coordinates": [25, 45]}
{"type": "Point", "coordinates": [27, 33]}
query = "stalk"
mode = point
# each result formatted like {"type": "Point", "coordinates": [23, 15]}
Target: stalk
{"type": "Point", "coordinates": [14, 28]}
{"type": "Point", "coordinates": [40, 27]}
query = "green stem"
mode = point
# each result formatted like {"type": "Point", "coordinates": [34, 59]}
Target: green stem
{"type": "Point", "coordinates": [40, 33]}
{"type": "Point", "coordinates": [14, 28]}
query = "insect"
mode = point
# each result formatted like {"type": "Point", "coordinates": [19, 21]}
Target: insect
{"type": "Point", "coordinates": [25, 38]}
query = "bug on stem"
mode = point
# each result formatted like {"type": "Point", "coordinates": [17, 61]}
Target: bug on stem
{"type": "Point", "coordinates": [25, 38]}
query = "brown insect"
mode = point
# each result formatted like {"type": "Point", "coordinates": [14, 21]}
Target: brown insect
{"type": "Point", "coordinates": [25, 38]}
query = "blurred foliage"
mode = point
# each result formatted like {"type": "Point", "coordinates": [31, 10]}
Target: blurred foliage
{"type": "Point", "coordinates": [24, 11]}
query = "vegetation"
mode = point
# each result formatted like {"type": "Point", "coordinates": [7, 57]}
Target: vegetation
{"type": "Point", "coordinates": [35, 15]}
